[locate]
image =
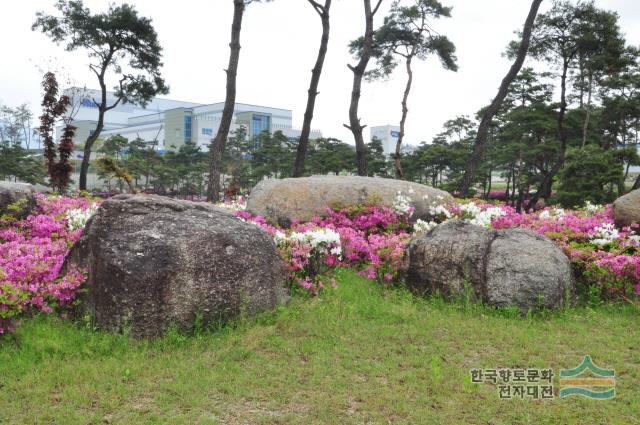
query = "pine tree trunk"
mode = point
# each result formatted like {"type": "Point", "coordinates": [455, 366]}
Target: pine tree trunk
{"type": "Point", "coordinates": [514, 176]}
{"type": "Point", "coordinates": [585, 126]}
{"type": "Point", "coordinates": [303, 143]}
{"type": "Point", "coordinates": [358, 73]}
{"type": "Point", "coordinates": [507, 193]}
{"type": "Point", "coordinates": [520, 199]}
{"type": "Point", "coordinates": [219, 142]}
{"type": "Point", "coordinates": [544, 190]}
{"type": "Point", "coordinates": [403, 120]}
{"type": "Point", "coordinates": [485, 123]}
{"type": "Point", "coordinates": [88, 145]}
{"type": "Point", "coordinates": [581, 96]}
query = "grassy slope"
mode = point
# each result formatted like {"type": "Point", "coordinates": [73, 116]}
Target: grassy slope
{"type": "Point", "coordinates": [357, 355]}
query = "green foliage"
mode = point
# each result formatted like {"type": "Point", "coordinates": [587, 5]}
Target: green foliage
{"type": "Point", "coordinates": [407, 33]}
{"type": "Point", "coordinates": [589, 174]}
{"type": "Point", "coordinates": [620, 92]}
{"type": "Point", "coordinates": [377, 164]}
{"type": "Point", "coordinates": [117, 39]}
{"type": "Point", "coordinates": [236, 160]}
{"type": "Point", "coordinates": [114, 146]}
{"type": "Point", "coordinates": [17, 160]}
{"type": "Point", "coordinates": [272, 155]}
{"type": "Point", "coordinates": [18, 163]}
{"type": "Point", "coordinates": [184, 171]}
{"type": "Point", "coordinates": [529, 88]}
{"type": "Point", "coordinates": [11, 299]}
{"type": "Point", "coordinates": [119, 43]}
{"type": "Point", "coordinates": [529, 138]}
{"type": "Point", "coordinates": [330, 156]}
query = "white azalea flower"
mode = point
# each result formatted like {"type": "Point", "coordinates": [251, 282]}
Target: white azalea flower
{"type": "Point", "coordinates": [591, 208]}
{"type": "Point", "coordinates": [422, 226]}
{"type": "Point", "coordinates": [320, 240]}
{"type": "Point", "coordinates": [557, 213]}
{"type": "Point", "coordinates": [473, 214]}
{"type": "Point", "coordinates": [484, 218]}
{"type": "Point", "coordinates": [605, 234]}
{"type": "Point", "coordinates": [440, 210]}
{"type": "Point", "coordinates": [77, 218]}
{"type": "Point", "coordinates": [280, 238]}
{"type": "Point", "coordinates": [402, 203]}
{"type": "Point", "coordinates": [635, 239]}
{"type": "Point", "coordinates": [239, 204]}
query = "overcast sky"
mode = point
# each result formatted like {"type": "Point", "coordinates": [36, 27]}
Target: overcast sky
{"type": "Point", "coordinates": [279, 46]}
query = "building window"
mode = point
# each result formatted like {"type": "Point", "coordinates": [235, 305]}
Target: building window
{"type": "Point", "coordinates": [187, 128]}
{"type": "Point", "coordinates": [88, 103]}
{"type": "Point", "coordinates": [207, 131]}
{"type": "Point", "coordinates": [260, 123]}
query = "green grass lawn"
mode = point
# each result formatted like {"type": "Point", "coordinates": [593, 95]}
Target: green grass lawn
{"type": "Point", "coordinates": [357, 354]}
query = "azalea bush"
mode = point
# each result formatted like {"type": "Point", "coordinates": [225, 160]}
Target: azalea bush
{"type": "Point", "coordinates": [374, 238]}
{"type": "Point", "coordinates": [371, 239]}
{"type": "Point", "coordinates": [309, 254]}
{"type": "Point", "coordinates": [31, 255]}
{"type": "Point", "coordinates": [606, 259]}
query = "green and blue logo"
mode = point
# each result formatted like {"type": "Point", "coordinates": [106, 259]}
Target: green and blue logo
{"type": "Point", "coordinates": [600, 386]}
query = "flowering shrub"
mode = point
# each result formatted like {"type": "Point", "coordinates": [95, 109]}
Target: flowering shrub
{"type": "Point", "coordinates": [373, 240]}
{"type": "Point", "coordinates": [421, 226]}
{"type": "Point", "coordinates": [402, 203]}
{"type": "Point", "coordinates": [604, 257]}
{"type": "Point", "coordinates": [370, 238]}
{"type": "Point", "coordinates": [77, 218]}
{"type": "Point", "coordinates": [309, 254]}
{"type": "Point", "coordinates": [236, 204]}
{"type": "Point", "coordinates": [480, 216]}
{"type": "Point", "coordinates": [31, 254]}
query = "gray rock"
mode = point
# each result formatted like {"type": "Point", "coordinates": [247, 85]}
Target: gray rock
{"type": "Point", "coordinates": [509, 267]}
{"type": "Point", "coordinates": [626, 209]}
{"type": "Point", "coordinates": [283, 200]}
{"type": "Point", "coordinates": [16, 199]}
{"type": "Point", "coordinates": [450, 257]}
{"type": "Point", "coordinates": [527, 270]}
{"type": "Point", "coordinates": [154, 261]}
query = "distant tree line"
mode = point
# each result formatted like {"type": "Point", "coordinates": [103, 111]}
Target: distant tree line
{"type": "Point", "coordinates": [134, 164]}
{"type": "Point", "coordinates": [17, 137]}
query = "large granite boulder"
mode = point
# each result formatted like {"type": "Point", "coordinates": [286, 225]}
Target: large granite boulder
{"type": "Point", "coordinates": [16, 199]}
{"type": "Point", "coordinates": [154, 261]}
{"type": "Point", "coordinates": [626, 209]}
{"type": "Point", "coordinates": [281, 201]}
{"type": "Point", "coordinates": [510, 267]}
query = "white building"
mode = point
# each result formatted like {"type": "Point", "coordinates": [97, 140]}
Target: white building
{"type": "Point", "coordinates": [388, 135]}
{"type": "Point", "coordinates": [169, 124]}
